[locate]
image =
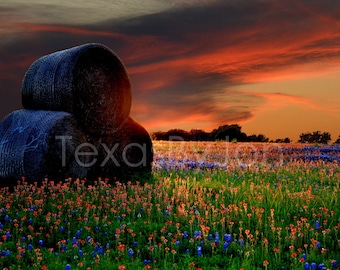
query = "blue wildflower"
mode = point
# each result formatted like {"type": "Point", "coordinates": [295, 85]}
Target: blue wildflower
{"type": "Point", "coordinates": [185, 234]}
{"type": "Point", "coordinates": [241, 242]}
{"type": "Point", "coordinates": [131, 253]}
{"type": "Point", "coordinates": [317, 225]}
{"type": "Point", "coordinates": [228, 238]}
{"type": "Point", "coordinates": [30, 246]}
{"type": "Point", "coordinates": [135, 244]}
{"type": "Point", "coordinates": [304, 256]}
{"type": "Point", "coordinates": [306, 266]}
{"type": "Point", "coordinates": [225, 246]}
{"type": "Point", "coordinates": [322, 266]}
{"type": "Point", "coordinates": [146, 262]}
{"type": "Point", "coordinates": [7, 219]}
{"type": "Point", "coordinates": [199, 251]}
{"type": "Point", "coordinates": [313, 266]}
{"type": "Point", "coordinates": [334, 264]}
{"type": "Point", "coordinates": [80, 253]}
{"type": "Point", "coordinates": [68, 267]}
{"type": "Point", "coordinates": [41, 242]}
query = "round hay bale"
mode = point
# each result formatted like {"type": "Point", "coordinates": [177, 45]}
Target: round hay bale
{"type": "Point", "coordinates": [125, 155]}
{"type": "Point", "coordinates": [89, 81]}
{"type": "Point", "coordinates": [39, 144]}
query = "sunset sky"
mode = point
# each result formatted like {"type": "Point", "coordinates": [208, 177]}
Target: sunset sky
{"type": "Point", "coordinates": [271, 66]}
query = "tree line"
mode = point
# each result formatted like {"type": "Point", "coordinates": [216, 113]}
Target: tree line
{"type": "Point", "coordinates": [234, 133]}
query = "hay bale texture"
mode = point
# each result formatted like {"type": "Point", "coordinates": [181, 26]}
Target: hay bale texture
{"type": "Point", "coordinates": [29, 147]}
{"type": "Point", "coordinates": [89, 81]}
{"type": "Point", "coordinates": [127, 154]}
{"type": "Point", "coordinates": [76, 121]}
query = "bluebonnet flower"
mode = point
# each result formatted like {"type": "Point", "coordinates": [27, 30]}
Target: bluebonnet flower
{"type": "Point", "coordinates": [7, 219]}
{"type": "Point", "coordinates": [74, 241]}
{"type": "Point", "coordinates": [199, 251]}
{"type": "Point", "coordinates": [306, 266]}
{"type": "Point", "coordinates": [61, 229]}
{"type": "Point", "coordinates": [304, 256]}
{"type": "Point", "coordinates": [317, 225]}
{"type": "Point", "coordinates": [1, 226]}
{"type": "Point", "coordinates": [30, 221]}
{"type": "Point", "coordinates": [334, 264]}
{"type": "Point", "coordinates": [80, 253]}
{"type": "Point", "coordinates": [41, 242]}
{"type": "Point", "coordinates": [225, 246]}
{"type": "Point", "coordinates": [131, 253]}
{"type": "Point", "coordinates": [166, 212]}
{"type": "Point", "coordinates": [187, 251]}
{"type": "Point", "coordinates": [241, 242]}
{"type": "Point", "coordinates": [313, 266]}
{"type": "Point", "coordinates": [78, 234]}
{"type": "Point", "coordinates": [146, 262]}
{"type": "Point", "coordinates": [185, 234]}
{"type": "Point", "coordinates": [8, 235]}
{"type": "Point", "coordinates": [135, 244]}
{"type": "Point", "coordinates": [322, 266]}
{"type": "Point", "coordinates": [30, 246]}
{"type": "Point", "coordinates": [178, 243]}
{"type": "Point", "coordinates": [228, 238]}
{"type": "Point", "coordinates": [68, 267]}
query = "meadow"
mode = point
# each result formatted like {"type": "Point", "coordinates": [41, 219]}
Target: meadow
{"type": "Point", "coordinates": [212, 205]}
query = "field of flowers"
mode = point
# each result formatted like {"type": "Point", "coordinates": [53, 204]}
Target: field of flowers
{"type": "Point", "coordinates": [211, 205]}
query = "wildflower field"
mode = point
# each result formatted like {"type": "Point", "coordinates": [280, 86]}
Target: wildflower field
{"type": "Point", "coordinates": [212, 205]}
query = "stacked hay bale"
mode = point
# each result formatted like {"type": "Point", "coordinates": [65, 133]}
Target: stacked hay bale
{"type": "Point", "coordinates": [76, 120]}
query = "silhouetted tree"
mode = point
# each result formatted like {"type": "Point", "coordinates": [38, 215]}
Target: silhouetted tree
{"type": "Point", "coordinates": [257, 138]}
{"type": "Point", "coordinates": [315, 137]}
{"type": "Point", "coordinates": [338, 140]}
{"type": "Point", "coordinates": [285, 140]}
{"type": "Point", "coordinates": [230, 132]}
{"type": "Point", "coordinates": [178, 134]}
{"type": "Point", "coordinates": [199, 135]}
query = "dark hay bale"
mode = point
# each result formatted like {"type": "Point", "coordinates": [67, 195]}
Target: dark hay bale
{"type": "Point", "coordinates": [29, 147]}
{"type": "Point", "coordinates": [132, 153]}
{"type": "Point", "coordinates": [89, 81]}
